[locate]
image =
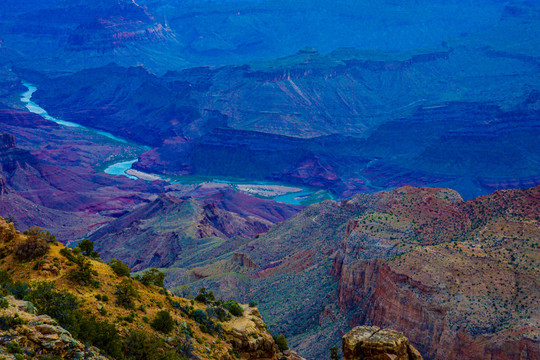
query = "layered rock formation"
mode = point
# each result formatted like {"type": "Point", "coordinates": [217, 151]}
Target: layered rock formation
{"type": "Point", "coordinates": [118, 23]}
{"type": "Point", "coordinates": [38, 335]}
{"type": "Point", "coordinates": [374, 343]}
{"type": "Point", "coordinates": [347, 121]}
{"type": "Point", "coordinates": [175, 232]}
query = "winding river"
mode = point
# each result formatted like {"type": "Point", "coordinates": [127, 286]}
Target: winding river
{"type": "Point", "coordinates": [295, 196]}
{"type": "Point", "coordinates": [115, 169]}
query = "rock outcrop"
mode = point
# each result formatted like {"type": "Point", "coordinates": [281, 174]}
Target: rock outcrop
{"type": "Point", "coordinates": [37, 335]}
{"type": "Point", "coordinates": [249, 337]}
{"type": "Point", "coordinates": [374, 343]}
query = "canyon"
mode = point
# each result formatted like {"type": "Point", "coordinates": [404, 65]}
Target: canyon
{"type": "Point", "coordinates": [460, 278]}
{"type": "Point", "coordinates": [359, 166]}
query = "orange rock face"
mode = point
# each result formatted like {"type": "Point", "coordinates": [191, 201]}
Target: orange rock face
{"type": "Point", "coordinates": [373, 343]}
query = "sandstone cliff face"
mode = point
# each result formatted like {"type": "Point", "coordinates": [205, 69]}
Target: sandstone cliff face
{"type": "Point", "coordinates": [467, 294]}
{"type": "Point", "coordinates": [39, 335]}
{"type": "Point", "coordinates": [374, 343]}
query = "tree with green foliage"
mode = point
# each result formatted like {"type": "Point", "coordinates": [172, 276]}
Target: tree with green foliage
{"type": "Point", "coordinates": [281, 342]}
{"type": "Point", "coordinates": [87, 248]}
{"type": "Point", "coordinates": [140, 346]}
{"type": "Point", "coordinates": [204, 296]}
{"type": "Point", "coordinates": [152, 276]}
{"type": "Point", "coordinates": [119, 267]}
{"type": "Point", "coordinates": [126, 294]}
{"type": "Point", "coordinates": [163, 322]}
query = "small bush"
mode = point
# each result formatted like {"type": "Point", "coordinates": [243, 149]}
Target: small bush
{"type": "Point", "coordinates": [334, 355]}
{"type": "Point", "coordinates": [152, 276]}
{"type": "Point", "coordinates": [234, 308]}
{"type": "Point", "coordinates": [163, 322]}
{"type": "Point", "coordinates": [31, 249]}
{"type": "Point", "coordinates": [84, 275]}
{"type": "Point", "coordinates": [68, 254]}
{"type": "Point", "coordinates": [253, 303]}
{"type": "Point", "coordinates": [126, 294]}
{"type": "Point", "coordinates": [104, 298]}
{"type": "Point", "coordinates": [8, 322]}
{"type": "Point", "coordinates": [140, 346]}
{"type": "Point", "coordinates": [281, 342]}
{"type": "Point", "coordinates": [14, 348]}
{"type": "Point", "coordinates": [4, 304]}
{"type": "Point", "coordinates": [204, 296]}
{"type": "Point", "coordinates": [119, 267]}
{"type": "Point", "coordinates": [129, 318]}
{"type": "Point", "coordinates": [218, 313]}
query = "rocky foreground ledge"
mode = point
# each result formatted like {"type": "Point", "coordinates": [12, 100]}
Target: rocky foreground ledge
{"type": "Point", "coordinates": [374, 343]}
{"type": "Point", "coordinates": [22, 331]}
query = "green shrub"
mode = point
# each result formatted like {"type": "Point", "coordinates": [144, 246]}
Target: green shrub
{"type": "Point", "coordinates": [219, 313]}
{"type": "Point", "coordinates": [253, 303]}
{"type": "Point", "coordinates": [5, 278]}
{"type": "Point", "coordinates": [84, 275]}
{"type": "Point", "coordinates": [8, 322]}
{"type": "Point", "coordinates": [4, 304]}
{"type": "Point", "coordinates": [234, 308]}
{"type": "Point", "coordinates": [126, 294]}
{"type": "Point", "coordinates": [163, 322]}
{"type": "Point", "coordinates": [204, 296]}
{"type": "Point", "coordinates": [87, 248]}
{"type": "Point", "coordinates": [129, 318]}
{"type": "Point", "coordinates": [32, 248]}
{"type": "Point", "coordinates": [140, 346]}
{"type": "Point", "coordinates": [68, 254]}
{"type": "Point", "coordinates": [14, 348]}
{"type": "Point", "coordinates": [152, 276]}
{"type": "Point", "coordinates": [119, 267]}
{"type": "Point", "coordinates": [18, 289]}
{"type": "Point", "coordinates": [104, 298]}
{"type": "Point", "coordinates": [184, 345]}
{"type": "Point", "coordinates": [281, 342]}
{"type": "Point", "coordinates": [59, 305]}
{"type": "Point", "coordinates": [205, 322]}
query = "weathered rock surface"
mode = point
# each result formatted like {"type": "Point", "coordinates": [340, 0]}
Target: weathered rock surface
{"type": "Point", "coordinates": [39, 335]}
{"type": "Point", "coordinates": [374, 343]}
{"type": "Point", "coordinates": [249, 337]}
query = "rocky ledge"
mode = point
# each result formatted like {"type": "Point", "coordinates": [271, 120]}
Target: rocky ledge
{"type": "Point", "coordinates": [23, 332]}
{"type": "Point", "coordinates": [374, 343]}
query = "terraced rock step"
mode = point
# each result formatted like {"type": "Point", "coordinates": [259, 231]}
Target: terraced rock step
{"type": "Point", "coordinates": [374, 343]}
